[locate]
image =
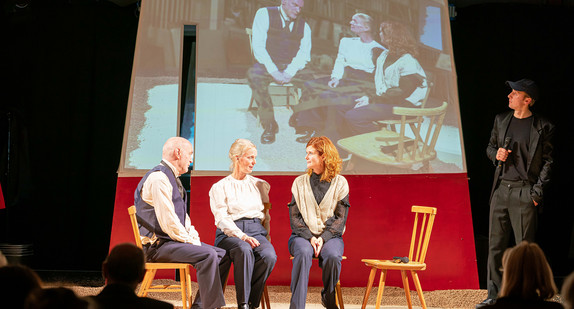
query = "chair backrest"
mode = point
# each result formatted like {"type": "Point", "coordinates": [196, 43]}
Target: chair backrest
{"type": "Point", "coordinates": [422, 228]}
{"type": "Point", "coordinates": [422, 148]}
{"type": "Point", "coordinates": [134, 221]}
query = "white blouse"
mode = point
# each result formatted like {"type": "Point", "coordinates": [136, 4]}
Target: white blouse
{"type": "Point", "coordinates": [355, 54]}
{"type": "Point", "coordinates": [231, 199]}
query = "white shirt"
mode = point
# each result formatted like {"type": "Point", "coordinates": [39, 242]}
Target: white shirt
{"type": "Point", "coordinates": [231, 199]}
{"type": "Point", "coordinates": [259, 42]}
{"type": "Point", "coordinates": [355, 54]}
{"type": "Point", "coordinates": [405, 65]}
{"type": "Point", "coordinates": [157, 191]}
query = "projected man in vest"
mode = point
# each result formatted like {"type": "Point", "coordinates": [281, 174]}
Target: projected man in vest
{"type": "Point", "coordinates": [167, 233]}
{"type": "Point", "coordinates": [282, 47]}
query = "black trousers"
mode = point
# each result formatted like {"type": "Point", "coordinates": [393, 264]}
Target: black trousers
{"type": "Point", "coordinates": [512, 213]}
{"type": "Point", "coordinates": [259, 81]}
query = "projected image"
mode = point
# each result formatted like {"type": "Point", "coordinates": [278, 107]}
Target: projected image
{"type": "Point", "coordinates": [376, 77]}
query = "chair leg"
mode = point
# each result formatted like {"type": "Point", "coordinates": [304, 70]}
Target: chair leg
{"type": "Point", "coordinates": [381, 287]}
{"type": "Point", "coordinates": [183, 285]}
{"type": "Point", "coordinates": [339, 295]}
{"type": "Point", "coordinates": [419, 288]}
{"type": "Point", "coordinates": [189, 291]}
{"type": "Point", "coordinates": [265, 303]}
{"type": "Point", "coordinates": [407, 289]}
{"type": "Point", "coordinates": [369, 286]}
{"type": "Point", "coordinates": [146, 283]}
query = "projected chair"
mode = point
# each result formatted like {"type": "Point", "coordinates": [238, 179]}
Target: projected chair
{"type": "Point", "coordinates": [392, 124]}
{"type": "Point", "coordinates": [151, 268]}
{"type": "Point", "coordinates": [338, 291]}
{"type": "Point", "coordinates": [395, 148]}
{"type": "Point", "coordinates": [418, 250]}
{"type": "Point", "coordinates": [288, 91]}
{"type": "Point", "coordinates": [265, 303]}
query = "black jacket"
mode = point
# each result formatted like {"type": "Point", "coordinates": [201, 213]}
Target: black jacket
{"type": "Point", "coordinates": [540, 160]}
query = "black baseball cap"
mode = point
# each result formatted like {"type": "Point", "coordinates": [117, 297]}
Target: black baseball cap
{"type": "Point", "coordinates": [525, 85]}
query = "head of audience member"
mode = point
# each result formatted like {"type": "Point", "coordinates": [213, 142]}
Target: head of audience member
{"type": "Point", "coordinates": [292, 8]}
{"type": "Point", "coordinates": [397, 38]}
{"type": "Point", "coordinates": [567, 292]}
{"type": "Point", "coordinates": [526, 273]}
{"type": "Point", "coordinates": [362, 23]}
{"type": "Point", "coordinates": [16, 282]}
{"type": "Point", "coordinates": [179, 152]}
{"type": "Point", "coordinates": [242, 154]}
{"type": "Point", "coordinates": [323, 158]}
{"type": "Point", "coordinates": [124, 265]}
{"type": "Point", "coordinates": [55, 298]}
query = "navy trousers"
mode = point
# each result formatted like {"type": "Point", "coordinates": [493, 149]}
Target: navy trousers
{"type": "Point", "coordinates": [330, 262]}
{"type": "Point", "coordinates": [205, 259]}
{"type": "Point", "coordinates": [252, 266]}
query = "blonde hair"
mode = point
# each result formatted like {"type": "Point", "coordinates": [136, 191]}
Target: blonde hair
{"type": "Point", "coordinates": [330, 155]}
{"type": "Point", "coordinates": [238, 148]}
{"type": "Point", "coordinates": [526, 273]}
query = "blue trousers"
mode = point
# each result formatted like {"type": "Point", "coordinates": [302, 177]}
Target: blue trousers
{"type": "Point", "coordinates": [252, 266]}
{"type": "Point", "coordinates": [330, 262]}
{"type": "Point", "coordinates": [205, 259]}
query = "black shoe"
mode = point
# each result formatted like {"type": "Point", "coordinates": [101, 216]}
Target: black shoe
{"type": "Point", "coordinates": [243, 306]}
{"type": "Point", "coordinates": [308, 135]}
{"type": "Point", "coordinates": [268, 136]}
{"type": "Point", "coordinates": [486, 302]}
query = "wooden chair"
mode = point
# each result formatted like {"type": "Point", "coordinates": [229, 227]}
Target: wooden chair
{"type": "Point", "coordinates": [289, 91]}
{"type": "Point", "coordinates": [392, 124]}
{"type": "Point", "coordinates": [151, 268]}
{"type": "Point", "coordinates": [394, 148]}
{"type": "Point", "coordinates": [419, 242]}
{"type": "Point", "coordinates": [338, 291]}
{"type": "Point", "coordinates": [265, 303]}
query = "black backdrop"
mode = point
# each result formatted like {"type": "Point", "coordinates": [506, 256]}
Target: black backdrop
{"type": "Point", "coordinates": [65, 71]}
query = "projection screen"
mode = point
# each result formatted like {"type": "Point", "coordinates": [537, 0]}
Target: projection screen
{"type": "Point", "coordinates": [190, 79]}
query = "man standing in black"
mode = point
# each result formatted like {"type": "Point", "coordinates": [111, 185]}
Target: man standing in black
{"type": "Point", "coordinates": [282, 47]}
{"type": "Point", "coordinates": [520, 146]}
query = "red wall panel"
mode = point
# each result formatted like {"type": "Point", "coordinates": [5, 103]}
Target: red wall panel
{"type": "Point", "coordinates": [379, 225]}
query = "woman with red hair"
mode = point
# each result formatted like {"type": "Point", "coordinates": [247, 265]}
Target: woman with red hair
{"type": "Point", "coordinates": [318, 213]}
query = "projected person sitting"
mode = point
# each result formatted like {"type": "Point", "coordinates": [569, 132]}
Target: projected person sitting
{"type": "Point", "coordinates": [237, 205]}
{"type": "Point", "coordinates": [352, 72]}
{"type": "Point", "coordinates": [399, 80]}
{"type": "Point", "coordinates": [167, 233]}
{"type": "Point", "coordinates": [318, 213]}
{"type": "Point", "coordinates": [282, 47]}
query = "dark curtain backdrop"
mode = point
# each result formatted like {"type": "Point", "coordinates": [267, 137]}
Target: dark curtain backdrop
{"type": "Point", "coordinates": [498, 42]}
{"type": "Point", "coordinates": [66, 69]}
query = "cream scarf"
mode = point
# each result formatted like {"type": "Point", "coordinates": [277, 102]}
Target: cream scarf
{"type": "Point", "coordinates": [313, 214]}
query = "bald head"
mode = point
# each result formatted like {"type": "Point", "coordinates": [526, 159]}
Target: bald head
{"type": "Point", "coordinates": [179, 152]}
{"type": "Point", "coordinates": [125, 264]}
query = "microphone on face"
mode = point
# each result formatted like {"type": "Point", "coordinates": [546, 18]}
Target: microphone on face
{"type": "Point", "coordinates": [505, 146]}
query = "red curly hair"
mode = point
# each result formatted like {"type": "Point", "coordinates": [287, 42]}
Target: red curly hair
{"type": "Point", "coordinates": [330, 156]}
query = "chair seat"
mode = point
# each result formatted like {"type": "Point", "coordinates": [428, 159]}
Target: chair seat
{"type": "Point", "coordinates": [380, 147]}
{"type": "Point", "coordinates": [389, 264]}
{"type": "Point", "coordinates": [165, 265]}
